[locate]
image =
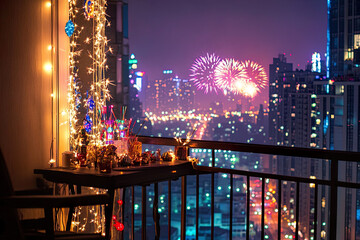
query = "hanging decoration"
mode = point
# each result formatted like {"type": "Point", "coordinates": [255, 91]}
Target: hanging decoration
{"type": "Point", "coordinates": [69, 28]}
{"type": "Point", "coordinates": [89, 9]}
{"type": "Point", "coordinates": [74, 94]}
{"type": "Point", "coordinates": [99, 88]}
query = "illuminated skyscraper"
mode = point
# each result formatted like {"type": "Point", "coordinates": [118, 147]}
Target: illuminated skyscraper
{"type": "Point", "coordinates": [339, 103]}
{"type": "Point", "coordinates": [169, 94]}
{"type": "Point", "coordinates": [117, 59]}
{"type": "Point", "coordinates": [343, 37]}
{"type": "Point", "coordinates": [293, 120]}
{"type": "Point", "coordinates": [135, 89]}
{"type": "Point", "coordinates": [279, 65]}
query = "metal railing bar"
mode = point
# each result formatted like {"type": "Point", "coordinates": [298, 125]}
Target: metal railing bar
{"type": "Point", "coordinates": [262, 175]}
{"type": "Point", "coordinates": [297, 210]}
{"type": "Point", "coordinates": [333, 198]}
{"type": "Point", "coordinates": [231, 205]}
{"type": "Point", "coordinates": [143, 213]}
{"type": "Point", "coordinates": [279, 208]}
{"type": "Point", "coordinates": [132, 212]}
{"type": "Point", "coordinates": [169, 209]}
{"type": "Point", "coordinates": [156, 216]}
{"type": "Point", "coordinates": [259, 148]}
{"type": "Point", "coordinates": [263, 208]}
{"type": "Point", "coordinates": [123, 211]}
{"type": "Point", "coordinates": [315, 210]}
{"type": "Point", "coordinates": [197, 207]}
{"type": "Point", "coordinates": [276, 176]}
{"type": "Point", "coordinates": [183, 207]}
{"type": "Point", "coordinates": [212, 204]}
{"type": "Point", "coordinates": [212, 194]}
{"type": "Point", "coordinates": [247, 207]}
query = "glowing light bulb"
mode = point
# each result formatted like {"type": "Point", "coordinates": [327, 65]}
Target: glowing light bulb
{"type": "Point", "coordinates": [49, 47]}
{"type": "Point", "coordinates": [48, 4]}
{"type": "Point", "coordinates": [48, 67]}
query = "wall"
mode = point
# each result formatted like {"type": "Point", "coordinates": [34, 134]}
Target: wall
{"type": "Point", "coordinates": [25, 88]}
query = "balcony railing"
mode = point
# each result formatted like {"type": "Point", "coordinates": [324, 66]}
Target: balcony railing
{"type": "Point", "coordinates": [333, 183]}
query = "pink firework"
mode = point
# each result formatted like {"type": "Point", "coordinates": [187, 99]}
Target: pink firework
{"type": "Point", "coordinates": [255, 74]}
{"type": "Point", "coordinates": [230, 75]}
{"type": "Point", "coordinates": [202, 73]}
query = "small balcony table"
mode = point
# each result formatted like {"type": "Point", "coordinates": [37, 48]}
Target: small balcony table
{"type": "Point", "coordinates": [118, 178]}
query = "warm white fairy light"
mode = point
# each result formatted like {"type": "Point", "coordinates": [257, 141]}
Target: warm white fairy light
{"type": "Point", "coordinates": [73, 88]}
{"type": "Point", "coordinates": [99, 88]}
{"type": "Point", "coordinates": [98, 91]}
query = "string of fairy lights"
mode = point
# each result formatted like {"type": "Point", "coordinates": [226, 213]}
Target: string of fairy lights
{"type": "Point", "coordinates": [98, 94]}
{"type": "Point", "coordinates": [74, 95]}
{"type": "Point", "coordinates": [99, 88]}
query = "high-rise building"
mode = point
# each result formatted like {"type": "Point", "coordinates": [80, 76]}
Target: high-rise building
{"type": "Point", "coordinates": [338, 108]}
{"type": "Point", "coordinates": [339, 105]}
{"type": "Point", "coordinates": [343, 37]}
{"type": "Point", "coordinates": [293, 120]}
{"type": "Point", "coordinates": [117, 59]}
{"type": "Point", "coordinates": [135, 88]}
{"type": "Point", "coordinates": [169, 94]}
{"type": "Point", "coordinates": [279, 65]}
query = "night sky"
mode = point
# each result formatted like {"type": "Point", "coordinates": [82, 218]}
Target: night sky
{"type": "Point", "coordinates": [169, 34]}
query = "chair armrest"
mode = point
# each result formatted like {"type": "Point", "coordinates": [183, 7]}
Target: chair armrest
{"type": "Point", "coordinates": [46, 201]}
{"type": "Point", "coordinates": [36, 191]}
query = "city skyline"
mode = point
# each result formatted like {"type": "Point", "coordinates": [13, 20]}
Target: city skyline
{"type": "Point", "coordinates": [179, 33]}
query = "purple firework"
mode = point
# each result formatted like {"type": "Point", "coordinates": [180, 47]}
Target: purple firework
{"type": "Point", "coordinates": [202, 73]}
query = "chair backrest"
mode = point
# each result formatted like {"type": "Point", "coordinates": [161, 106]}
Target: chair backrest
{"type": "Point", "coordinates": [9, 219]}
{"type": "Point", "coordinates": [6, 188]}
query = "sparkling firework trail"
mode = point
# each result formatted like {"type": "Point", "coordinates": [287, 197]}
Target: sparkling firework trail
{"type": "Point", "coordinates": [255, 74]}
{"type": "Point", "coordinates": [250, 89]}
{"type": "Point", "coordinates": [229, 75]}
{"type": "Point", "coordinates": [202, 73]}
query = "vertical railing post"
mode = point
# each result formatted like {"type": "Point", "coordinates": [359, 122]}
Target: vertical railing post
{"type": "Point", "coordinates": [183, 208]}
{"type": "Point", "coordinates": [169, 209]}
{"type": "Point", "coordinates": [143, 212]}
{"type": "Point", "coordinates": [156, 215]}
{"type": "Point", "coordinates": [263, 208]}
{"type": "Point", "coordinates": [132, 213]}
{"type": "Point", "coordinates": [231, 205]}
{"type": "Point", "coordinates": [248, 207]}
{"type": "Point", "coordinates": [279, 208]}
{"type": "Point", "coordinates": [212, 194]}
{"type": "Point", "coordinates": [316, 211]}
{"type": "Point", "coordinates": [197, 208]}
{"type": "Point", "coordinates": [333, 198]}
{"type": "Point", "coordinates": [297, 210]}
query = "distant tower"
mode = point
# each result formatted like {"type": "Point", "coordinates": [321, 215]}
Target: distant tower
{"type": "Point", "coordinates": [279, 65]}
{"type": "Point", "coordinates": [135, 88]}
{"type": "Point", "coordinates": [117, 60]}
{"type": "Point", "coordinates": [343, 45]}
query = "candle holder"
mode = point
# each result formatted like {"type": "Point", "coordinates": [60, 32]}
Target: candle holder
{"type": "Point", "coordinates": [181, 152]}
{"type": "Point", "coordinates": [107, 157]}
{"type": "Point", "coordinates": [105, 166]}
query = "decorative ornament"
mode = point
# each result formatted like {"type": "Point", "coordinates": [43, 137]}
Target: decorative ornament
{"type": "Point", "coordinates": [69, 28]}
{"type": "Point", "coordinates": [89, 9]}
{"type": "Point", "coordinates": [119, 226]}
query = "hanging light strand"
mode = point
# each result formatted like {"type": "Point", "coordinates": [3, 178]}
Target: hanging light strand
{"type": "Point", "coordinates": [74, 94]}
{"type": "Point", "coordinates": [99, 89]}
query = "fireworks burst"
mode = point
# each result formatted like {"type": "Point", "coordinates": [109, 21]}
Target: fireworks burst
{"type": "Point", "coordinates": [250, 89]}
{"type": "Point", "coordinates": [230, 75]}
{"type": "Point", "coordinates": [202, 73]}
{"type": "Point", "coordinates": [255, 74]}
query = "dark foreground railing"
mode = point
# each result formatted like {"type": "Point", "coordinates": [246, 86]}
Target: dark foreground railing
{"type": "Point", "coordinates": [333, 183]}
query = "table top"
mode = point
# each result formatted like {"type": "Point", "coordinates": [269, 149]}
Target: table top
{"type": "Point", "coordinates": [119, 177]}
